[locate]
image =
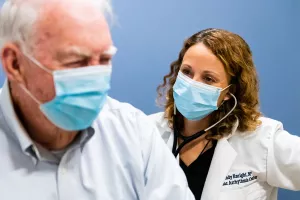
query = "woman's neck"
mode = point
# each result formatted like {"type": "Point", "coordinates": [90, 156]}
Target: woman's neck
{"type": "Point", "coordinates": [192, 127]}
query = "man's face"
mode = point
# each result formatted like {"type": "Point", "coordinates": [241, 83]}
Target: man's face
{"type": "Point", "coordinates": [68, 36]}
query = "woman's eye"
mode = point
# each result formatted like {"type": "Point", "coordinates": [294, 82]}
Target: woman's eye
{"type": "Point", "coordinates": [209, 80]}
{"type": "Point", "coordinates": [186, 72]}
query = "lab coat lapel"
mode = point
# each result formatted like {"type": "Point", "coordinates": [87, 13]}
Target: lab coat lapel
{"type": "Point", "coordinates": [221, 163]}
{"type": "Point", "coordinates": [170, 142]}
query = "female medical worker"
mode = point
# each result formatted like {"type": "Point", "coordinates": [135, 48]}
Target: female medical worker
{"type": "Point", "coordinates": [212, 121]}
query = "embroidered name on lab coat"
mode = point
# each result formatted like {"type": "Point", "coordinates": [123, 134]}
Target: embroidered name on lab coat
{"type": "Point", "coordinates": [243, 178]}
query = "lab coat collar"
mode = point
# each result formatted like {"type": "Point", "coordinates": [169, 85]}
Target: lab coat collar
{"type": "Point", "coordinates": [221, 163]}
{"type": "Point", "coordinates": [222, 160]}
{"type": "Point", "coordinates": [171, 136]}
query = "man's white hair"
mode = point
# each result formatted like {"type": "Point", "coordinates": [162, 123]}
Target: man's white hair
{"type": "Point", "coordinates": [17, 19]}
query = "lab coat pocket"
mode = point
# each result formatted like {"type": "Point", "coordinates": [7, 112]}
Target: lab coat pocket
{"type": "Point", "coordinates": [255, 191]}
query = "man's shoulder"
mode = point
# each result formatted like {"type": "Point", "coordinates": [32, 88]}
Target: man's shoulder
{"type": "Point", "coordinates": [157, 117]}
{"type": "Point", "coordinates": [117, 109]}
{"type": "Point", "coordinates": [115, 105]}
{"type": "Point", "coordinates": [161, 122]}
{"type": "Point", "coordinates": [123, 114]}
{"type": "Point", "coordinates": [121, 122]}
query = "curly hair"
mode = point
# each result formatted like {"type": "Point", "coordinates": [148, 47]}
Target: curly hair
{"type": "Point", "coordinates": [236, 57]}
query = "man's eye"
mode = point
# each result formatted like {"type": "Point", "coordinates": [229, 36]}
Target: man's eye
{"type": "Point", "coordinates": [79, 63]}
{"type": "Point", "coordinates": [105, 60]}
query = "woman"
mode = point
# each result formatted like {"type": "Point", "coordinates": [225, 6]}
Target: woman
{"type": "Point", "coordinates": [213, 125]}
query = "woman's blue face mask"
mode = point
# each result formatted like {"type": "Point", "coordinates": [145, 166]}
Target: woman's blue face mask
{"type": "Point", "coordinates": [195, 100]}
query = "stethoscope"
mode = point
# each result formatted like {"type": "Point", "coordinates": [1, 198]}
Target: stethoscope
{"type": "Point", "coordinates": [187, 139]}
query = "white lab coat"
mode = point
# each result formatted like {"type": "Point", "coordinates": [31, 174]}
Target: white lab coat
{"type": "Point", "coordinates": [248, 166]}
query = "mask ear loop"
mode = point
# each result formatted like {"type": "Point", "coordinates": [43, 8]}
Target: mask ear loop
{"type": "Point", "coordinates": [226, 88]}
{"type": "Point", "coordinates": [33, 97]}
{"type": "Point", "coordinates": [37, 63]}
{"type": "Point", "coordinates": [222, 91]}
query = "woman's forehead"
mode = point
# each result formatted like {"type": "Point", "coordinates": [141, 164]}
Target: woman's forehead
{"type": "Point", "coordinates": [199, 57]}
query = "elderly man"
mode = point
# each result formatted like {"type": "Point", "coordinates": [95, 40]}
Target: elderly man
{"type": "Point", "coordinates": [61, 137]}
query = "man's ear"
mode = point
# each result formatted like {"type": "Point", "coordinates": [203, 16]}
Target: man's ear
{"type": "Point", "coordinates": [11, 62]}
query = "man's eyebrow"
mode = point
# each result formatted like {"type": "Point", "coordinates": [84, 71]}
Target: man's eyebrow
{"type": "Point", "coordinates": [74, 51]}
{"type": "Point", "coordinates": [82, 52]}
{"type": "Point", "coordinates": [112, 50]}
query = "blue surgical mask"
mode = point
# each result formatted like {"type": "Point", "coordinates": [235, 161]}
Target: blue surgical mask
{"type": "Point", "coordinates": [80, 95]}
{"type": "Point", "coordinates": [195, 100]}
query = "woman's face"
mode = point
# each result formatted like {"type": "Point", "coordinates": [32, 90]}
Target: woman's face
{"type": "Point", "coordinates": [201, 65]}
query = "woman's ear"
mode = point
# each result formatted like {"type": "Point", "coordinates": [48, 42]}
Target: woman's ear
{"type": "Point", "coordinates": [10, 57]}
{"type": "Point", "coordinates": [231, 90]}
{"type": "Point", "coordinates": [227, 97]}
